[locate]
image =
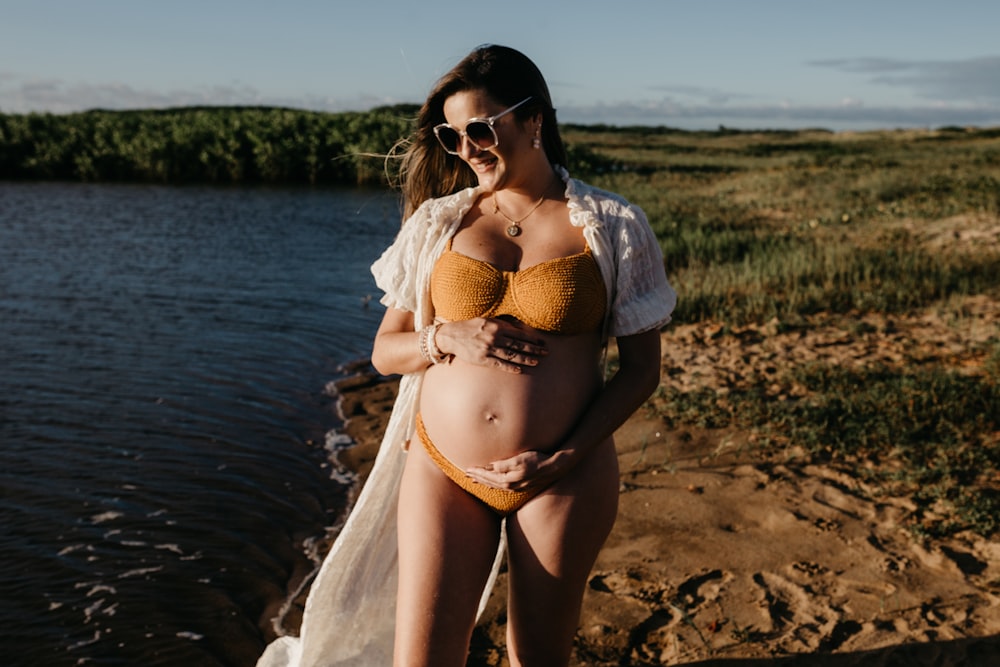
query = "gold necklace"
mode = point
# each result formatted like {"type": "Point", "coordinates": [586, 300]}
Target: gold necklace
{"type": "Point", "coordinates": [514, 229]}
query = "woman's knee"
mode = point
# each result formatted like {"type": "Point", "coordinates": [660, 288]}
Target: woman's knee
{"type": "Point", "coordinates": [534, 648]}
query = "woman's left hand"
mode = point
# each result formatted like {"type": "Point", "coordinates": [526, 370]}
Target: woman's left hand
{"type": "Point", "coordinates": [523, 472]}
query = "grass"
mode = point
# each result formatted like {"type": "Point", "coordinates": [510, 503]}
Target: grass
{"type": "Point", "coordinates": [776, 224]}
{"type": "Point", "coordinates": [813, 226]}
{"type": "Point", "coordinates": [931, 434]}
{"type": "Point", "coordinates": [928, 433]}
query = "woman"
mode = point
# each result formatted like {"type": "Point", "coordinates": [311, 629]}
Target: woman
{"type": "Point", "coordinates": [514, 420]}
{"type": "Point", "coordinates": [502, 288]}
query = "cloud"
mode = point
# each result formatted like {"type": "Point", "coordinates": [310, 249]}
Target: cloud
{"type": "Point", "coordinates": [18, 95]}
{"type": "Point", "coordinates": [847, 115]}
{"type": "Point", "coordinates": [974, 80]}
{"type": "Point", "coordinates": [689, 107]}
{"type": "Point", "coordinates": [711, 95]}
{"type": "Point", "coordinates": [958, 92]}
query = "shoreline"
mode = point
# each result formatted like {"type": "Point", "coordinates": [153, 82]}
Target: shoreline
{"type": "Point", "coordinates": [363, 402]}
{"type": "Point", "coordinates": [721, 553]}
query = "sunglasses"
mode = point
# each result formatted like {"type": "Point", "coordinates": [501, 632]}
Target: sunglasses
{"type": "Point", "coordinates": [479, 132]}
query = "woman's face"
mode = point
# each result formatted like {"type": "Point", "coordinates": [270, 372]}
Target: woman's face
{"type": "Point", "coordinates": [494, 167]}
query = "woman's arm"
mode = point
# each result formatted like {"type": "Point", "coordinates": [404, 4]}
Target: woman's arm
{"type": "Point", "coordinates": [397, 346]}
{"type": "Point", "coordinates": [637, 377]}
{"type": "Point", "coordinates": [505, 345]}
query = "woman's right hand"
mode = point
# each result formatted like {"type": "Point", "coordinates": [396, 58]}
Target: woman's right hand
{"type": "Point", "coordinates": [509, 346]}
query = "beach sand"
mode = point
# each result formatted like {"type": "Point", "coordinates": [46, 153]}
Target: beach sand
{"type": "Point", "coordinates": [722, 555]}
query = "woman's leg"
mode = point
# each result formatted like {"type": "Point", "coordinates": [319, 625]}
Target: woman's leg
{"type": "Point", "coordinates": [447, 544]}
{"type": "Point", "coordinates": [553, 542]}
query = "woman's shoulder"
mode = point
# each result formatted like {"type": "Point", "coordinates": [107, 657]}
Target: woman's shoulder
{"type": "Point", "coordinates": [596, 205]}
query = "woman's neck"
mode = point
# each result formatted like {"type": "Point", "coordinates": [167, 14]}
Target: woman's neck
{"type": "Point", "coordinates": [543, 182]}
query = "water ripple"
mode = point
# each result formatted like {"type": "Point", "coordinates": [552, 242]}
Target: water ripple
{"type": "Point", "coordinates": [162, 410]}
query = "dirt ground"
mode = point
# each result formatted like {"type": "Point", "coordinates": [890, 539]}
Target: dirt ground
{"type": "Point", "coordinates": [723, 557]}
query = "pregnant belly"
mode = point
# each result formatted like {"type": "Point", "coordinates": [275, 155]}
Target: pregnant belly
{"type": "Point", "coordinates": [475, 414]}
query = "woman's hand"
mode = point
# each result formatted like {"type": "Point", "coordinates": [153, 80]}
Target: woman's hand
{"type": "Point", "coordinates": [509, 346]}
{"type": "Point", "coordinates": [637, 378]}
{"type": "Point", "coordinates": [525, 471]}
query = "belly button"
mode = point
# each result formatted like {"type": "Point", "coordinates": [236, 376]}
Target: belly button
{"type": "Point", "coordinates": [491, 418]}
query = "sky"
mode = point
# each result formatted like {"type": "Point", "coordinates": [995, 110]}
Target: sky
{"type": "Point", "coordinates": [691, 64]}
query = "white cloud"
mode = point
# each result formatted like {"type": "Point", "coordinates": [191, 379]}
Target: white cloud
{"type": "Point", "coordinates": [19, 95]}
{"type": "Point", "coordinates": [960, 92]}
{"type": "Point", "coordinates": [974, 80]}
{"type": "Point", "coordinates": [706, 93]}
{"type": "Point", "coordinates": [694, 107]}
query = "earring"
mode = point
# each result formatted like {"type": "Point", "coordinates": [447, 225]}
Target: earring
{"type": "Point", "coordinates": [537, 142]}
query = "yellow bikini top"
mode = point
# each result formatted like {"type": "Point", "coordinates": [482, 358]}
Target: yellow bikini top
{"type": "Point", "coordinates": [565, 295]}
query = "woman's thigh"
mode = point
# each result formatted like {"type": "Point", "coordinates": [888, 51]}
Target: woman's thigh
{"type": "Point", "coordinates": [447, 544]}
{"type": "Point", "coordinates": [553, 542]}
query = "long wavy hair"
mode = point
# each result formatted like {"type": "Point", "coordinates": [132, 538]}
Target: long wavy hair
{"type": "Point", "coordinates": [507, 76]}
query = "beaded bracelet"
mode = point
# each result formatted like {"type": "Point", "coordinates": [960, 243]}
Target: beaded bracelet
{"type": "Point", "coordinates": [425, 352]}
{"type": "Point", "coordinates": [429, 350]}
{"type": "Point", "coordinates": [436, 356]}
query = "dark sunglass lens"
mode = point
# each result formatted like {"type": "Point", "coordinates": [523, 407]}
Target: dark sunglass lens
{"type": "Point", "coordinates": [448, 138]}
{"type": "Point", "coordinates": [481, 134]}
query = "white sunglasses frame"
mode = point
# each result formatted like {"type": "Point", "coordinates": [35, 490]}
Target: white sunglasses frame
{"type": "Point", "coordinates": [462, 134]}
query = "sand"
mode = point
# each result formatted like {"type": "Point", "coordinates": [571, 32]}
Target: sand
{"type": "Point", "coordinates": [724, 556]}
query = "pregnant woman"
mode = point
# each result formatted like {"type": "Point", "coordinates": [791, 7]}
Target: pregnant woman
{"type": "Point", "coordinates": [502, 289]}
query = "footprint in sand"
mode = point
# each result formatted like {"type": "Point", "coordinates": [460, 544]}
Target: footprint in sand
{"type": "Point", "coordinates": [700, 589]}
{"type": "Point", "coordinates": [797, 620]}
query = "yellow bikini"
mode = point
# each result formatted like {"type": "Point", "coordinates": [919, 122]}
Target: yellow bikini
{"type": "Point", "coordinates": [501, 501]}
{"type": "Point", "coordinates": [565, 295]}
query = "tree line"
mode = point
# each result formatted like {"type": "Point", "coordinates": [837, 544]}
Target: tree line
{"type": "Point", "coordinates": [202, 145]}
{"type": "Point", "coordinates": [218, 145]}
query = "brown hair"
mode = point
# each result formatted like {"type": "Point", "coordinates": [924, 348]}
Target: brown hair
{"type": "Point", "coordinates": [507, 76]}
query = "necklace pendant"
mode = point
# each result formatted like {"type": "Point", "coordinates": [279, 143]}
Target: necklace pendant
{"type": "Point", "coordinates": [513, 230]}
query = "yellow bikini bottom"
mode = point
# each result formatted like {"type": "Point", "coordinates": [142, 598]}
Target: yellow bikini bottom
{"type": "Point", "coordinates": [501, 501]}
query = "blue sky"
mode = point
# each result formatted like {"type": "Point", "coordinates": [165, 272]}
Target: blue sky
{"type": "Point", "coordinates": [683, 63]}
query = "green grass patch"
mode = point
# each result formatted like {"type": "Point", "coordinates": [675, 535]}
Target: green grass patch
{"type": "Point", "coordinates": [931, 434]}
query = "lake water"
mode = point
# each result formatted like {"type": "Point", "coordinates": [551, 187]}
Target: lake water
{"type": "Point", "coordinates": [164, 417]}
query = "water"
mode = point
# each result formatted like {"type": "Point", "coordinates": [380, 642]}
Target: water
{"type": "Point", "coordinates": [163, 358]}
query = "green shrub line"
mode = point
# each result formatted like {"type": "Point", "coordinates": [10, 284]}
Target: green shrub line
{"type": "Point", "coordinates": [217, 145]}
